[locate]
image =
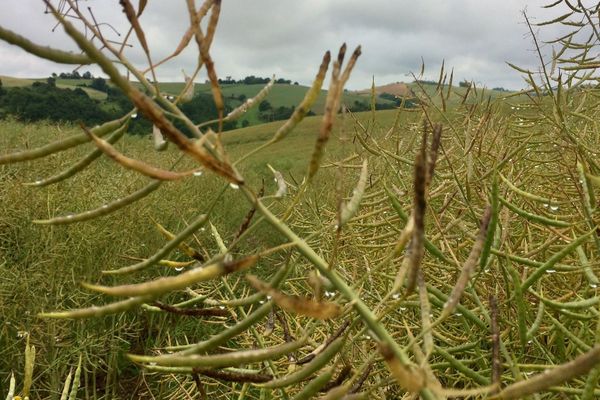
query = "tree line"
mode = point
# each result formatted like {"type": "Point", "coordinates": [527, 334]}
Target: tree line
{"type": "Point", "coordinates": [46, 101]}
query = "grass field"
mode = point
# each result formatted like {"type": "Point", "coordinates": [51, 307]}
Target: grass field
{"type": "Point", "coordinates": [542, 212]}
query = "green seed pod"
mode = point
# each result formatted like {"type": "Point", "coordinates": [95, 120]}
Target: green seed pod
{"type": "Point", "coordinates": [316, 364]}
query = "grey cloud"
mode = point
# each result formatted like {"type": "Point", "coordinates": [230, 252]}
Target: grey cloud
{"type": "Point", "coordinates": [288, 38]}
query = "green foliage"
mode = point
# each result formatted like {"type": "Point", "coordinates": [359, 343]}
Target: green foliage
{"type": "Point", "coordinates": [46, 101]}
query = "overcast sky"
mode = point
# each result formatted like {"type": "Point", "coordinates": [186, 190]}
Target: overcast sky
{"type": "Point", "coordinates": [289, 37]}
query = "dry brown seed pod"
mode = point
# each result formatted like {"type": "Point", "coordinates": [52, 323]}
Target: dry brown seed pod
{"type": "Point", "coordinates": [296, 304]}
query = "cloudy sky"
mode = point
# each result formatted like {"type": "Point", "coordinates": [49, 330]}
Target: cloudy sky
{"type": "Point", "coordinates": [288, 37]}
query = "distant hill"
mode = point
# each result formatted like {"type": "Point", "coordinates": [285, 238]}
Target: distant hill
{"type": "Point", "coordinates": [281, 95]}
{"type": "Point", "coordinates": [399, 89]}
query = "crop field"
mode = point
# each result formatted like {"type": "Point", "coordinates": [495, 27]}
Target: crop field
{"type": "Point", "coordinates": [450, 250]}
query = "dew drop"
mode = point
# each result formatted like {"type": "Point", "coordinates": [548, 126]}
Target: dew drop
{"type": "Point", "coordinates": [197, 173]}
{"type": "Point", "coordinates": [545, 205]}
{"type": "Point", "coordinates": [104, 205]}
{"type": "Point", "coordinates": [133, 115]}
{"type": "Point", "coordinates": [262, 302]}
{"type": "Point", "coordinates": [395, 296]}
{"type": "Point", "coordinates": [179, 269]}
{"type": "Point", "coordinates": [553, 208]}
{"type": "Point", "coordinates": [222, 307]}
{"type": "Point", "coordinates": [593, 285]}
{"type": "Point", "coordinates": [38, 182]}
{"type": "Point", "coordinates": [550, 271]}
{"type": "Point", "coordinates": [269, 297]}
{"type": "Point", "coordinates": [234, 186]}
{"type": "Point", "coordinates": [458, 314]}
{"type": "Point", "coordinates": [152, 364]}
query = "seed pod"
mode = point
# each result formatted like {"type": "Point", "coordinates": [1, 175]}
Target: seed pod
{"type": "Point", "coordinates": [104, 209]}
{"type": "Point", "coordinates": [81, 164]}
{"type": "Point", "coordinates": [468, 267]}
{"type": "Point", "coordinates": [63, 144]}
{"type": "Point", "coordinates": [231, 359]}
{"type": "Point", "coordinates": [165, 250]}
{"type": "Point", "coordinates": [316, 364]}
{"type": "Point", "coordinates": [350, 208]}
{"type": "Point", "coordinates": [552, 377]}
{"type": "Point", "coordinates": [408, 377]}
{"type": "Point", "coordinates": [164, 285]}
{"type": "Point", "coordinates": [160, 144]}
{"type": "Point", "coordinates": [295, 304]}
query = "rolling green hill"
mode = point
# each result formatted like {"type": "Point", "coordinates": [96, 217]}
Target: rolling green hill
{"type": "Point", "coordinates": [281, 95]}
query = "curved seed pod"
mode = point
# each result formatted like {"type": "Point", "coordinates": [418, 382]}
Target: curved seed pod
{"type": "Point", "coordinates": [67, 385]}
{"type": "Point", "coordinates": [295, 304]}
{"type": "Point", "coordinates": [137, 165]}
{"type": "Point", "coordinates": [552, 377]}
{"type": "Point", "coordinates": [176, 264]}
{"type": "Point", "coordinates": [525, 194]}
{"type": "Point", "coordinates": [316, 364]}
{"type": "Point", "coordinates": [249, 103]}
{"type": "Point", "coordinates": [331, 106]}
{"type": "Point", "coordinates": [281, 185]}
{"type": "Point", "coordinates": [187, 250]}
{"type": "Point", "coordinates": [570, 305]}
{"type": "Point", "coordinates": [48, 53]}
{"type": "Point", "coordinates": [103, 210]}
{"type": "Point", "coordinates": [63, 144]}
{"type": "Point", "coordinates": [164, 285]}
{"type": "Point", "coordinates": [76, 379]}
{"type": "Point", "coordinates": [595, 180]}
{"type": "Point", "coordinates": [350, 208]}
{"type": "Point", "coordinates": [534, 217]}
{"type": "Point", "coordinates": [81, 164]}
{"type": "Point", "coordinates": [11, 387]}
{"type": "Point", "coordinates": [99, 311]}
{"type": "Point", "coordinates": [587, 269]}
{"type": "Point", "coordinates": [231, 359]}
{"type": "Point", "coordinates": [493, 223]}
{"type": "Point", "coordinates": [468, 267]}
{"type": "Point", "coordinates": [408, 377]}
{"type": "Point", "coordinates": [226, 374]}
{"type": "Point", "coordinates": [218, 239]}
{"type": "Point", "coordinates": [537, 322]}
{"type": "Point", "coordinates": [430, 247]}
{"type": "Point", "coordinates": [166, 249]}
{"type": "Point", "coordinates": [554, 259]}
{"type": "Point", "coordinates": [232, 375]}
{"type": "Point", "coordinates": [29, 364]}
{"type": "Point", "coordinates": [314, 386]}
{"type": "Point", "coordinates": [160, 144]}
{"type": "Point", "coordinates": [418, 232]}
{"type": "Point", "coordinates": [277, 278]}
{"type": "Point", "coordinates": [305, 105]}
{"type": "Point", "coordinates": [220, 338]}
{"type": "Point", "coordinates": [188, 93]}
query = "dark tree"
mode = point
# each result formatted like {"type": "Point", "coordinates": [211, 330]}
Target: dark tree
{"type": "Point", "coordinates": [264, 106]}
